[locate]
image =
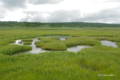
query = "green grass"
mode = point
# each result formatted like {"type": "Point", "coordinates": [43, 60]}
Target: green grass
{"type": "Point", "coordinates": [73, 41]}
{"type": "Point", "coordinates": [27, 43]}
{"type": "Point", "coordinates": [14, 49]}
{"type": "Point", "coordinates": [115, 39]}
{"type": "Point", "coordinates": [47, 39]}
{"type": "Point", "coordinates": [54, 46]}
{"type": "Point", "coordinates": [39, 43]}
{"type": "Point", "coordinates": [20, 42]}
{"type": "Point", "coordinates": [27, 40]}
{"type": "Point", "coordinates": [118, 43]}
{"type": "Point", "coordinates": [59, 65]}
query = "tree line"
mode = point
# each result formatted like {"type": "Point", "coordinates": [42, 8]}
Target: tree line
{"type": "Point", "coordinates": [58, 24]}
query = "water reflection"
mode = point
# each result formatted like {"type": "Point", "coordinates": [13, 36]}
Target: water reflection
{"type": "Point", "coordinates": [34, 48]}
{"type": "Point", "coordinates": [76, 49]}
{"type": "Point", "coordinates": [18, 42]}
{"type": "Point", "coordinates": [108, 43]}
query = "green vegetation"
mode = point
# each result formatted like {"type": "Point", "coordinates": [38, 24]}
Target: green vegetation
{"type": "Point", "coordinates": [86, 64]}
{"type": "Point", "coordinates": [39, 43]}
{"type": "Point", "coordinates": [20, 42]}
{"type": "Point", "coordinates": [27, 40]}
{"type": "Point", "coordinates": [73, 41]}
{"type": "Point", "coordinates": [51, 44]}
{"type": "Point", "coordinates": [118, 43]}
{"type": "Point", "coordinates": [54, 46]}
{"type": "Point", "coordinates": [114, 39]}
{"type": "Point", "coordinates": [14, 49]}
{"type": "Point", "coordinates": [64, 24]}
{"type": "Point", "coordinates": [27, 43]}
{"type": "Point", "coordinates": [47, 39]}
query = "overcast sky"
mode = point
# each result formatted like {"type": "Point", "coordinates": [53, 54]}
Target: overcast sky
{"type": "Point", "coordinates": [105, 11]}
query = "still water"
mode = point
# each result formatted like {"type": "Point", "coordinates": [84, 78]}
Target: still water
{"type": "Point", "coordinates": [108, 43]}
{"type": "Point", "coordinates": [76, 48]}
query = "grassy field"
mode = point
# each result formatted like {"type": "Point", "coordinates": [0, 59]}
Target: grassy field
{"type": "Point", "coordinates": [97, 63]}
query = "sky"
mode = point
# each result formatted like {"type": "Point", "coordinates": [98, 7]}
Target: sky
{"type": "Point", "coordinates": [102, 11]}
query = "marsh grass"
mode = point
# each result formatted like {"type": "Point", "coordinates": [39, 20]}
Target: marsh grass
{"type": "Point", "coordinates": [59, 65]}
{"type": "Point", "coordinates": [54, 46]}
{"type": "Point", "coordinates": [20, 42]}
{"type": "Point", "coordinates": [14, 49]}
{"type": "Point", "coordinates": [27, 43]}
{"type": "Point", "coordinates": [73, 41]}
{"type": "Point", "coordinates": [27, 40]}
{"type": "Point", "coordinates": [47, 39]}
{"type": "Point", "coordinates": [39, 43]}
{"type": "Point", "coordinates": [115, 39]}
{"type": "Point", "coordinates": [118, 44]}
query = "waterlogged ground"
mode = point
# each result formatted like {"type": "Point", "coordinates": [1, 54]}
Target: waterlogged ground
{"type": "Point", "coordinates": [62, 38]}
{"type": "Point", "coordinates": [98, 59]}
{"type": "Point", "coordinates": [40, 50]}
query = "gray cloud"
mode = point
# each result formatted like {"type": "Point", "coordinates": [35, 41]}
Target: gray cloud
{"type": "Point", "coordinates": [11, 4]}
{"type": "Point", "coordinates": [44, 1]}
{"type": "Point", "coordinates": [64, 16]}
{"type": "Point", "coordinates": [108, 15]}
{"type": "Point", "coordinates": [57, 16]}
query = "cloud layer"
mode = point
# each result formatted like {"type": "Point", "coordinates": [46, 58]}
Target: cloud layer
{"type": "Point", "coordinates": [61, 10]}
{"type": "Point", "coordinates": [44, 1]}
{"type": "Point", "coordinates": [108, 15]}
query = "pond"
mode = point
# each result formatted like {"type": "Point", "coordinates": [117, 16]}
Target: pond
{"type": "Point", "coordinates": [76, 48]}
{"type": "Point", "coordinates": [108, 43]}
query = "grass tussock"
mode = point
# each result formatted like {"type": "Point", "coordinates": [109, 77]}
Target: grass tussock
{"type": "Point", "coordinates": [114, 39]}
{"type": "Point", "coordinates": [27, 40]}
{"type": "Point", "coordinates": [54, 46]}
{"type": "Point", "coordinates": [27, 43]}
{"type": "Point", "coordinates": [73, 41]}
{"type": "Point", "coordinates": [47, 39]}
{"type": "Point", "coordinates": [92, 64]}
{"type": "Point", "coordinates": [14, 49]}
{"type": "Point", "coordinates": [39, 43]}
{"type": "Point", "coordinates": [118, 43]}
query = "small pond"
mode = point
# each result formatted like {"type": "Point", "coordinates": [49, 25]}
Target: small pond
{"type": "Point", "coordinates": [108, 43]}
{"type": "Point", "coordinates": [76, 48]}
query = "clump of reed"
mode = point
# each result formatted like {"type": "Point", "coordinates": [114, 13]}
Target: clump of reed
{"type": "Point", "coordinates": [115, 39]}
{"type": "Point", "coordinates": [27, 43]}
{"type": "Point", "coordinates": [73, 41]}
{"type": "Point", "coordinates": [39, 43]}
{"type": "Point", "coordinates": [54, 46]}
{"type": "Point", "coordinates": [47, 39]}
{"type": "Point", "coordinates": [14, 49]}
{"type": "Point", "coordinates": [118, 43]}
{"type": "Point", "coordinates": [27, 40]}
